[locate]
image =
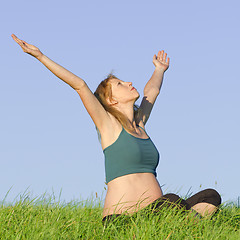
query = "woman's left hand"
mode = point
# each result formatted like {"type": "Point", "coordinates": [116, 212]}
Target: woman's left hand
{"type": "Point", "coordinates": [161, 61]}
{"type": "Point", "coordinates": [28, 48]}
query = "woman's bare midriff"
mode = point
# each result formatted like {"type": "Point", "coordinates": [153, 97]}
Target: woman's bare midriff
{"type": "Point", "coordinates": [130, 193]}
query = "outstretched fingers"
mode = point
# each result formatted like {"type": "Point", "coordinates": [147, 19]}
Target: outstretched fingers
{"type": "Point", "coordinates": [164, 57]}
{"type": "Point", "coordinates": [161, 60]}
{"type": "Point", "coordinates": [15, 38]}
{"type": "Point", "coordinates": [168, 60]}
{"type": "Point", "coordinates": [25, 46]}
{"type": "Point", "coordinates": [160, 55]}
{"type": "Point", "coordinates": [20, 42]}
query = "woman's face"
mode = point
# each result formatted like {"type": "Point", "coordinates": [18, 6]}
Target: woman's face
{"type": "Point", "coordinates": [123, 92]}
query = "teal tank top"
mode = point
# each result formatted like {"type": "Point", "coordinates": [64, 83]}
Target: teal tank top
{"type": "Point", "coordinates": [129, 154]}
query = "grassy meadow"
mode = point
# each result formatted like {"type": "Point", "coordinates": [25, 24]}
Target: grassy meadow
{"type": "Point", "coordinates": [44, 218]}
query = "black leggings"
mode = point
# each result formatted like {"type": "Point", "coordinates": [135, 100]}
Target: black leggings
{"type": "Point", "coordinates": [172, 200]}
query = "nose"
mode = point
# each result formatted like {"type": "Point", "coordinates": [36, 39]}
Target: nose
{"type": "Point", "coordinates": [130, 83]}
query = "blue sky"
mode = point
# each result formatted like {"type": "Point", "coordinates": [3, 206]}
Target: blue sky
{"type": "Point", "coordinates": [48, 141]}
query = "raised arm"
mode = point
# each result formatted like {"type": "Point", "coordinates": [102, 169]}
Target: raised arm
{"type": "Point", "coordinates": [161, 63]}
{"type": "Point", "coordinates": [91, 103]}
{"type": "Point", "coordinates": [153, 86]}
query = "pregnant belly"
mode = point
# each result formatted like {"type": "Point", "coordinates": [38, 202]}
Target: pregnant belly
{"type": "Point", "coordinates": [130, 193]}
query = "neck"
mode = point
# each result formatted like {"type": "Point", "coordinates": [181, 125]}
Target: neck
{"type": "Point", "coordinates": [128, 111]}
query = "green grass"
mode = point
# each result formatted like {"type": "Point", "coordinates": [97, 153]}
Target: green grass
{"type": "Point", "coordinates": [43, 218]}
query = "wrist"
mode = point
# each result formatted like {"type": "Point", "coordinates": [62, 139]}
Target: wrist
{"type": "Point", "coordinates": [41, 55]}
{"type": "Point", "coordinates": [159, 69]}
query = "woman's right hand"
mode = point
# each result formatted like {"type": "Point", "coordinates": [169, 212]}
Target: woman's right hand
{"type": "Point", "coordinates": [28, 48]}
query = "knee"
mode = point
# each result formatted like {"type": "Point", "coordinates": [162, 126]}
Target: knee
{"type": "Point", "coordinates": [173, 200]}
{"type": "Point", "coordinates": [170, 196]}
{"type": "Point", "coordinates": [213, 196]}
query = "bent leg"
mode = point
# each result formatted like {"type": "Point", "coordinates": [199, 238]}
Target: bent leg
{"type": "Point", "coordinates": [205, 202]}
{"type": "Point", "coordinates": [170, 200]}
{"type": "Point", "coordinates": [208, 196]}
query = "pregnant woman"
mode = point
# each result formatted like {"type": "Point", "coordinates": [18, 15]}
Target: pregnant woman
{"type": "Point", "coordinates": [131, 158]}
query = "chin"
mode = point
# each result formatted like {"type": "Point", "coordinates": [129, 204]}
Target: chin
{"type": "Point", "coordinates": [137, 97]}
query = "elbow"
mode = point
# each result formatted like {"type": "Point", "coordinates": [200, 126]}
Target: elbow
{"type": "Point", "coordinates": [80, 86]}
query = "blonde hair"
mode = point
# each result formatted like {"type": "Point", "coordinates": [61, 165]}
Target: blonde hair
{"type": "Point", "coordinates": [103, 92]}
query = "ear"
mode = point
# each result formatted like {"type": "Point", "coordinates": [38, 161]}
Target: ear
{"type": "Point", "coordinates": [111, 101]}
